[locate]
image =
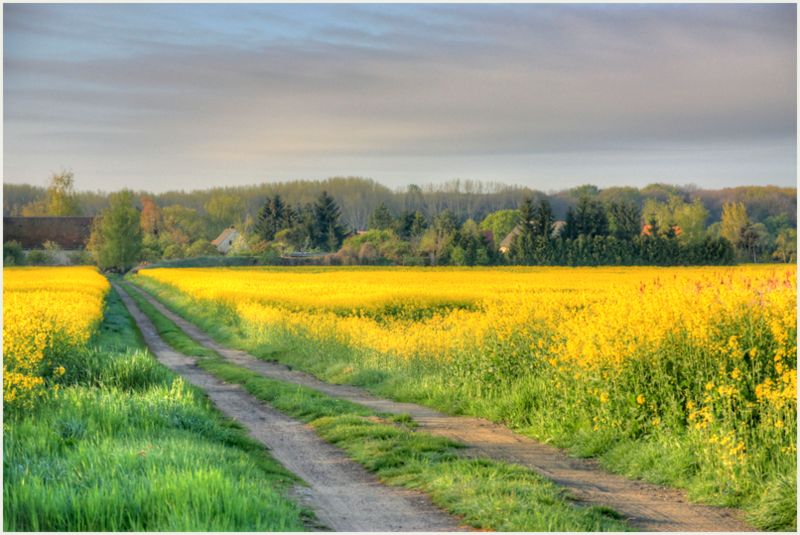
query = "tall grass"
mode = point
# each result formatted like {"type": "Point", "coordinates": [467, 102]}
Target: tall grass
{"type": "Point", "coordinates": [713, 418]}
{"type": "Point", "coordinates": [126, 445]}
{"type": "Point", "coordinates": [487, 494]}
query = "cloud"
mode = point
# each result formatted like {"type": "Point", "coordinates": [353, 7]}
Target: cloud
{"type": "Point", "coordinates": [239, 88]}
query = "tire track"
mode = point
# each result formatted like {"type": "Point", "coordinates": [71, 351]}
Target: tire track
{"type": "Point", "coordinates": [343, 494]}
{"type": "Point", "coordinates": [646, 506]}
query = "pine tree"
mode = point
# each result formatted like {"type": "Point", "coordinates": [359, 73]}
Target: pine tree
{"type": "Point", "coordinates": [402, 225]}
{"type": "Point", "coordinates": [273, 217]}
{"type": "Point", "coordinates": [328, 232]}
{"type": "Point", "coordinates": [381, 218]}
{"type": "Point", "coordinates": [542, 219]}
{"type": "Point", "coordinates": [624, 220]}
{"type": "Point", "coordinates": [588, 218]}
{"type": "Point", "coordinates": [418, 224]}
{"type": "Point", "coordinates": [523, 245]}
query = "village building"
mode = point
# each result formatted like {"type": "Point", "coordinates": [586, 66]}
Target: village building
{"type": "Point", "coordinates": [555, 231]}
{"type": "Point", "coordinates": [224, 241]}
{"type": "Point", "coordinates": [505, 245]}
{"type": "Point", "coordinates": [69, 233]}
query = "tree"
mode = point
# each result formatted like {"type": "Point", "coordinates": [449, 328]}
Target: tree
{"type": "Point", "coordinates": [116, 239]}
{"type": "Point", "coordinates": [303, 234]}
{"type": "Point", "coordinates": [786, 245]}
{"type": "Point", "coordinates": [224, 210]}
{"type": "Point", "coordinates": [533, 243]}
{"type": "Point", "coordinates": [381, 218]}
{"type": "Point", "coordinates": [624, 220]}
{"type": "Point", "coordinates": [418, 224]}
{"type": "Point", "coordinates": [201, 247]}
{"type": "Point", "coordinates": [402, 224]}
{"type": "Point", "coordinates": [734, 219]}
{"type": "Point", "coordinates": [273, 217]}
{"type": "Point", "coordinates": [500, 224]}
{"type": "Point", "coordinates": [328, 231]}
{"type": "Point", "coordinates": [689, 218]}
{"type": "Point", "coordinates": [588, 218]}
{"type": "Point", "coordinates": [776, 223]}
{"type": "Point", "coordinates": [61, 198]}
{"type": "Point", "coordinates": [13, 255]}
{"type": "Point", "coordinates": [584, 191]}
{"type": "Point", "coordinates": [542, 221]}
{"type": "Point", "coordinates": [182, 225]}
{"type": "Point", "coordinates": [522, 247]}
{"type": "Point", "coordinates": [754, 239]}
{"type": "Point", "coordinates": [472, 247]}
{"type": "Point", "coordinates": [438, 239]}
{"type": "Point", "coordinates": [446, 222]}
{"type": "Point", "coordinates": [151, 219]}
{"type": "Point", "coordinates": [414, 199]}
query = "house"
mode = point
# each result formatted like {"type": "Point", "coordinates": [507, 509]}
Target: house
{"type": "Point", "coordinates": [555, 231]}
{"type": "Point", "coordinates": [69, 233]}
{"type": "Point", "coordinates": [224, 241]}
{"type": "Point", "coordinates": [505, 245]}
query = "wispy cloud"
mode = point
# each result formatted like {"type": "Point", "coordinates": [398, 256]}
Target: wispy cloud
{"type": "Point", "coordinates": [180, 95]}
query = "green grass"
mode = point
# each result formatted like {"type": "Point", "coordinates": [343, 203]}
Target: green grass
{"type": "Point", "coordinates": [129, 446]}
{"type": "Point", "coordinates": [478, 385]}
{"type": "Point", "coordinates": [486, 494]}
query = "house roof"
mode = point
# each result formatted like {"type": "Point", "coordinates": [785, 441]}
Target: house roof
{"type": "Point", "coordinates": [69, 232]}
{"type": "Point", "coordinates": [506, 243]}
{"type": "Point", "coordinates": [556, 227]}
{"type": "Point", "coordinates": [223, 235]}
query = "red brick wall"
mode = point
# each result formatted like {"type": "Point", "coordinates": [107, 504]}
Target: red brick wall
{"type": "Point", "coordinates": [32, 232]}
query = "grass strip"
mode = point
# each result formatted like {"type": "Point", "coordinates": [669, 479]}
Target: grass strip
{"type": "Point", "coordinates": [127, 445]}
{"type": "Point", "coordinates": [485, 493]}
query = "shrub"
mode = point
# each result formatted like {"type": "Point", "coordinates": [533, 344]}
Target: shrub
{"type": "Point", "coordinates": [13, 255]}
{"type": "Point", "coordinates": [39, 258]}
{"type": "Point", "coordinates": [174, 251]}
{"type": "Point", "coordinates": [80, 258]}
{"type": "Point", "coordinates": [201, 248]}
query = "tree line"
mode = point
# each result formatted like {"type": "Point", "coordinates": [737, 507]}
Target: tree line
{"type": "Point", "coordinates": [656, 225]}
{"type": "Point", "coordinates": [358, 197]}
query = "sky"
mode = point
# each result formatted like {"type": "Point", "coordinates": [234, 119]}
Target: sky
{"type": "Point", "coordinates": [177, 96]}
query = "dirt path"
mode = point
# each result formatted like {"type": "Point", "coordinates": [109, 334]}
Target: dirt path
{"type": "Point", "coordinates": [647, 507]}
{"type": "Point", "coordinates": [344, 496]}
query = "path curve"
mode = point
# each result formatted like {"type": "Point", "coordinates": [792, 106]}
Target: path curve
{"type": "Point", "coordinates": [344, 496]}
{"type": "Point", "coordinates": [646, 506]}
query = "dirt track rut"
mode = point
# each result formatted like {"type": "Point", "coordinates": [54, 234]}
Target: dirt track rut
{"type": "Point", "coordinates": [344, 496]}
{"type": "Point", "coordinates": [646, 506]}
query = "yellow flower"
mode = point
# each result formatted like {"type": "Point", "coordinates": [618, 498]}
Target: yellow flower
{"type": "Point", "coordinates": [583, 325]}
{"type": "Point", "coordinates": [48, 312]}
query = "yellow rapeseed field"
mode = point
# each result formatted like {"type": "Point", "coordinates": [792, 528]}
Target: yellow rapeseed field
{"type": "Point", "coordinates": [47, 312]}
{"type": "Point", "coordinates": [709, 352]}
